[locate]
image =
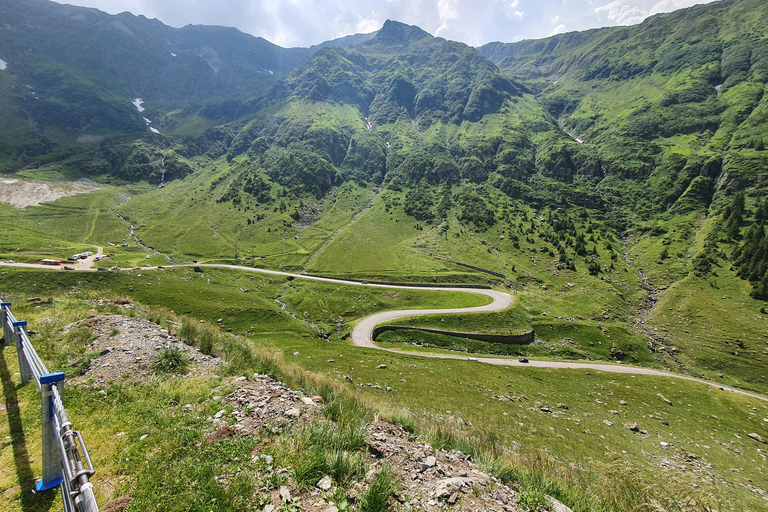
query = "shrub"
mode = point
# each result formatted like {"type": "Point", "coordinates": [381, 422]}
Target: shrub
{"type": "Point", "coordinates": [171, 360]}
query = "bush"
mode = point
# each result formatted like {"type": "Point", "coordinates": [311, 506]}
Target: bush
{"type": "Point", "coordinates": [171, 360]}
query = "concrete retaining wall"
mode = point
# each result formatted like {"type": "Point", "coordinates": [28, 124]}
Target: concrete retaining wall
{"type": "Point", "coordinates": [526, 337]}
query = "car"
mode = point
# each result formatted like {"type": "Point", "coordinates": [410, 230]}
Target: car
{"type": "Point", "coordinates": [522, 360]}
{"type": "Point", "coordinates": [68, 268]}
{"type": "Point", "coordinates": [103, 269]}
{"type": "Point", "coordinates": [115, 268]}
{"type": "Point", "coordinates": [9, 261]}
{"type": "Point", "coordinates": [136, 268]}
{"type": "Point", "coordinates": [160, 266]}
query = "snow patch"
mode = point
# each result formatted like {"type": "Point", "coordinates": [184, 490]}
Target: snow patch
{"type": "Point", "coordinates": [147, 121]}
{"type": "Point", "coordinates": [718, 87]}
{"type": "Point", "coordinates": [154, 130]}
{"type": "Point", "coordinates": [173, 54]}
{"type": "Point", "coordinates": [270, 71]}
{"type": "Point", "coordinates": [137, 103]}
{"type": "Point", "coordinates": [3, 64]}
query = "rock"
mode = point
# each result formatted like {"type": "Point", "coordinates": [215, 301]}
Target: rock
{"type": "Point", "coordinates": [427, 463]}
{"type": "Point", "coordinates": [332, 508]}
{"type": "Point", "coordinates": [188, 408]}
{"type": "Point", "coordinates": [608, 422]}
{"type": "Point", "coordinates": [381, 367]}
{"type": "Point", "coordinates": [500, 497]}
{"type": "Point", "coordinates": [634, 427]}
{"type": "Point", "coordinates": [219, 414]}
{"type": "Point", "coordinates": [622, 402]}
{"type": "Point", "coordinates": [318, 399]}
{"type": "Point", "coordinates": [325, 483]}
{"type": "Point", "coordinates": [34, 299]}
{"type": "Point", "coordinates": [389, 389]}
{"type": "Point", "coordinates": [348, 378]}
{"type": "Point", "coordinates": [307, 401]}
{"type": "Point", "coordinates": [331, 361]}
{"type": "Point", "coordinates": [757, 437]}
{"type": "Point", "coordinates": [143, 437]}
{"type": "Point", "coordinates": [285, 494]}
{"type": "Point", "coordinates": [614, 412]}
{"type": "Point", "coordinates": [448, 486]}
{"type": "Point", "coordinates": [269, 508]}
{"type": "Point", "coordinates": [293, 412]}
{"type": "Point", "coordinates": [556, 506]}
{"type": "Point", "coordinates": [664, 399]}
{"type": "Point", "coordinates": [562, 406]}
{"type": "Point", "coordinates": [545, 409]}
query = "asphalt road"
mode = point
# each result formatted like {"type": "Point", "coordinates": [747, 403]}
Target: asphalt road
{"type": "Point", "coordinates": [362, 332]}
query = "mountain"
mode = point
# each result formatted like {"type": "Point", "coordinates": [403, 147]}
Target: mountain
{"type": "Point", "coordinates": [627, 163]}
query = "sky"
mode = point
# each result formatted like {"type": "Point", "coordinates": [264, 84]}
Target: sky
{"type": "Point", "coordinates": [303, 23]}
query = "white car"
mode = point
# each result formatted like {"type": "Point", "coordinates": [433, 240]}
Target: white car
{"type": "Point", "coordinates": [9, 261]}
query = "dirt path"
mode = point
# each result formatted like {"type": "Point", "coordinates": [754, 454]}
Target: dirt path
{"type": "Point", "coordinates": [367, 206]}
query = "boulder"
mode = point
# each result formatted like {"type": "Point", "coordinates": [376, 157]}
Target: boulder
{"type": "Point", "coordinates": [757, 437]}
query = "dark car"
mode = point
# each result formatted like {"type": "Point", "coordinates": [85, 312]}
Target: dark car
{"type": "Point", "coordinates": [68, 268]}
{"type": "Point", "coordinates": [523, 360]}
{"type": "Point", "coordinates": [102, 268]}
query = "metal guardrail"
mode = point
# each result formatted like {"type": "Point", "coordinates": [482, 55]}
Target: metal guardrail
{"type": "Point", "coordinates": [63, 465]}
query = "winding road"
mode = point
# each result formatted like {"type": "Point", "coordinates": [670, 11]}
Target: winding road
{"type": "Point", "coordinates": [362, 332]}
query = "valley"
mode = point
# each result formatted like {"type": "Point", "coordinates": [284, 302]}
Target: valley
{"type": "Point", "coordinates": [587, 211]}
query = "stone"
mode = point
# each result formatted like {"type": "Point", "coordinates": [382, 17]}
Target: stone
{"type": "Point", "coordinates": [634, 427]}
{"type": "Point", "coordinates": [188, 408]}
{"type": "Point", "coordinates": [269, 508]}
{"type": "Point", "coordinates": [219, 414]}
{"type": "Point", "coordinates": [562, 406]}
{"type": "Point", "coordinates": [381, 367]}
{"type": "Point", "coordinates": [623, 402]}
{"type": "Point", "coordinates": [331, 361]}
{"type": "Point", "coordinates": [307, 401]}
{"type": "Point", "coordinates": [348, 378]}
{"type": "Point", "coordinates": [608, 422]}
{"type": "Point", "coordinates": [293, 412]}
{"type": "Point", "coordinates": [448, 486]}
{"type": "Point", "coordinates": [664, 399]}
{"type": "Point", "coordinates": [325, 483]}
{"type": "Point", "coordinates": [143, 437]}
{"type": "Point", "coordinates": [428, 462]}
{"type": "Point", "coordinates": [332, 508]}
{"type": "Point", "coordinates": [556, 506]}
{"type": "Point", "coordinates": [757, 437]}
{"type": "Point", "coordinates": [545, 409]}
{"type": "Point", "coordinates": [285, 494]}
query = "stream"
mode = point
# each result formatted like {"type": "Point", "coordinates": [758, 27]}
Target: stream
{"type": "Point", "coordinates": [131, 230]}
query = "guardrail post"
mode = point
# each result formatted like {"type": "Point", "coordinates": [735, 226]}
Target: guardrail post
{"type": "Point", "coordinates": [51, 456]}
{"type": "Point", "coordinates": [5, 308]}
{"type": "Point", "coordinates": [26, 372]}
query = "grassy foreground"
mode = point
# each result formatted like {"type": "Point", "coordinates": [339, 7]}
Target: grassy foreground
{"type": "Point", "coordinates": [503, 417]}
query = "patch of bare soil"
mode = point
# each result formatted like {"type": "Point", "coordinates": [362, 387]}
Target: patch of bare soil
{"type": "Point", "coordinates": [22, 193]}
{"type": "Point", "coordinates": [127, 347]}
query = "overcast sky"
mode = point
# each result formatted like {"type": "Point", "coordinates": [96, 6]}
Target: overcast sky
{"type": "Point", "coordinates": [475, 22]}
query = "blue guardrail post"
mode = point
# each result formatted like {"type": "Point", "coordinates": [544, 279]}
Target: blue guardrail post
{"type": "Point", "coordinates": [51, 456]}
{"type": "Point", "coordinates": [26, 372]}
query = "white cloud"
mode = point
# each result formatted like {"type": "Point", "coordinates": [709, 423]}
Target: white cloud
{"type": "Point", "coordinates": [557, 30]}
{"type": "Point", "coordinates": [622, 13]}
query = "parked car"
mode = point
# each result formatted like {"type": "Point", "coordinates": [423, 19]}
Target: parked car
{"type": "Point", "coordinates": [68, 268]}
{"type": "Point", "coordinates": [9, 261]}
{"type": "Point", "coordinates": [102, 268]}
{"type": "Point", "coordinates": [523, 360]}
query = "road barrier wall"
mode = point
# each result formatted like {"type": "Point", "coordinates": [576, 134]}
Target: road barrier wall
{"type": "Point", "coordinates": [526, 337]}
{"type": "Point", "coordinates": [66, 463]}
